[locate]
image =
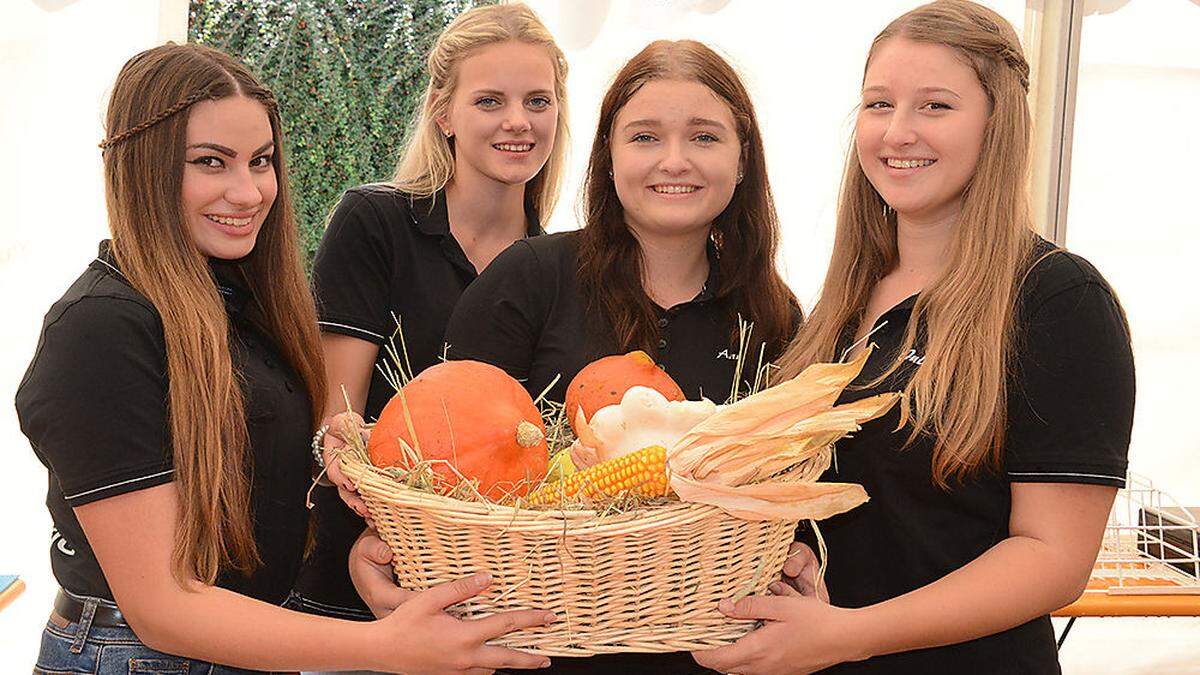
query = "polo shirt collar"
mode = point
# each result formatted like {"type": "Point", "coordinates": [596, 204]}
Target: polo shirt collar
{"type": "Point", "coordinates": [430, 216]}
{"type": "Point", "coordinates": [713, 283]}
{"type": "Point", "coordinates": [226, 274]}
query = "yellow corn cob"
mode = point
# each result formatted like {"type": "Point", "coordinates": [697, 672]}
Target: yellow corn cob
{"type": "Point", "coordinates": [642, 473]}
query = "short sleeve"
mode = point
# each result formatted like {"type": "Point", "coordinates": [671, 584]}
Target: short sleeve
{"type": "Point", "coordinates": [500, 315]}
{"type": "Point", "coordinates": [352, 272]}
{"type": "Point", "coordinates": [1072, 394]}
{"type": "Point", "coordinates": [94, 401]}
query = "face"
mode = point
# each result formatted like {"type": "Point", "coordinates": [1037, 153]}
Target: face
{"type": "Point", "coordinates": [920, 127]}
{"type": "Point", "coordinates": [503, 113]}
{"type": "Point", "coordinates": [228, 181]}
{"type": "Point", "coordinates": [676, 157]}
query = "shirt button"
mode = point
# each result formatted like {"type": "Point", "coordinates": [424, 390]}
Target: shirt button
{"type": "Point", "coordinates": [662, 344]}
{"type": "Point", "coordinates": [269, 363]}
{"type": "Point", "coordinates": [662, 323]}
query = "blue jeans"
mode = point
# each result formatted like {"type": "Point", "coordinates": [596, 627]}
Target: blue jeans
{"type": "Point", "coordinates": [79, 648]}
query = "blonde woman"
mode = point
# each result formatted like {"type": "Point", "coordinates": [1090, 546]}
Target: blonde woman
{"type": "Point", "coordinates": [481, 169]}
{"type": "Point", "coordinates": [173, 390]}
{"type": "Point", "coordinates": [988, 501]}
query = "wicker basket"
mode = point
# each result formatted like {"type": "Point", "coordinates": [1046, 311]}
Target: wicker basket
{"type": "Point", "coordinates": [647, 580]}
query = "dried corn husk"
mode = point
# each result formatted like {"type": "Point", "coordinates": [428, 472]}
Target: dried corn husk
{"type": "Point", "coordinates": [773, 500]}
{"type": "Point", "coordinates": [718, 461]}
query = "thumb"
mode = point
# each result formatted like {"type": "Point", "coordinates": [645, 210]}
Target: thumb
{"type": "Point", "coordinates": [451, 593]}
{"type": "Point", "coordinates": [379, 553]}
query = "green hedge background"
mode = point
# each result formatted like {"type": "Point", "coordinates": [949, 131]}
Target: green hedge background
{"type": "Point", "coordinates": [348, 75]}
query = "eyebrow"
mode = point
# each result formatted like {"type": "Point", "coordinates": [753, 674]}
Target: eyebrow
{"type": "Point", "coordinates": [924, 90]}
{"type": "Point", "coordinates": [693, 122]}
{"type": "Point", "coordinates": [497, 92]}
{"type": "Point", "coordinates": [230, 152]}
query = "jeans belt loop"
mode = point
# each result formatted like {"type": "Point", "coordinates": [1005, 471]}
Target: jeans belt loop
{"type": "Point", "coordinates": [85, 625]}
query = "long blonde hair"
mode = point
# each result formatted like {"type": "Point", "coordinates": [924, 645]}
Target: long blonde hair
{"type": "Point", "coordinates": [959, 393]}
{"type": "Point", "coordinates": [427, 162]}
{"type": "Point", "coordinates": [144, 154]}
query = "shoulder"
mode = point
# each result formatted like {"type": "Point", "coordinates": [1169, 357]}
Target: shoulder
{"type": "Point", "coordinates": [379, 203]}
{"type": "Point", "coordinates": [102, 305]}
{"type": "Point", "coordinates": [550, 250]}
{"type": "Point", "coordinates": [1057, 272]}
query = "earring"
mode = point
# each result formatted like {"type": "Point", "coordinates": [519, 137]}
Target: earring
{"type": "Point", "coordinates": [610, 174]}
{"type": "Point", "coordinates": [739, 178]}
{"type": "Point", "coordinates": [447, 132]}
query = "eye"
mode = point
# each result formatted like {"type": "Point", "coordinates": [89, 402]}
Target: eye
{"type": "Point", "coordinates": [876, 105]}
{"type": "Point", "coordinates": [539, 102]}
{"type": "Point", "coordinates": [706, 137]}
{"type": "Point", "coordinates": [208, 162]}
{"type": "Point", "coordinates": [643, 138]}
{"type": "Point", "coordinates": [487, 102]}
{"type": "Point", "coordinates": [262, 161]}
{"type": "Point", "coordinates": [937, 105]}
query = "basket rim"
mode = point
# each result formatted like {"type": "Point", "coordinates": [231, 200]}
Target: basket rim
{"type": "Point", "coordinates": [381, 486]}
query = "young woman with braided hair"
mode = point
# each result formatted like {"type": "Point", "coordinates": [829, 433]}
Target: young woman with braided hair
{"type": "Point", "coordinates": [172, 396]}
{"type": "Point", "coordinates": [988, 501]}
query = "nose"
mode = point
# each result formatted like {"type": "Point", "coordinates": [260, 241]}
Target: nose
{"type": "Point", "coordinates": [243, 190]}
{"type": "Point", "coordinates": [900, 130]}
{"type": "Point", "coordinates": [674, 160]}
{"type": "Point", "coordinates": [516, 121]}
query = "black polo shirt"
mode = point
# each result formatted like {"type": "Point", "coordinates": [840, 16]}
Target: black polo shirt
{"type": "Point", "coordinates": [93, 404]}
{"type": "Point", "coordinates": [1070, 412]}
{"type": "Point", "coordinates": [386, 256]}
{"type": "Point", "coordinates": [526, 315]}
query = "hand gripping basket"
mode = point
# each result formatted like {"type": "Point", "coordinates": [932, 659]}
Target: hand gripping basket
{"type": "Point", "coordinates": [646, 580]}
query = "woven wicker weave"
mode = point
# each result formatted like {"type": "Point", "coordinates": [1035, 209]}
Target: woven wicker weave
{"type": "Point", "coordinates": [646, 580]}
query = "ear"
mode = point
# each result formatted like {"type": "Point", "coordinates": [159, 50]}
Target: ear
{"type": "Point", "coordinates": [443, 120]}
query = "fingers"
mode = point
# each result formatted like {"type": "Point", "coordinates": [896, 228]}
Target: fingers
{"type": "Point", "coordinates": [492, 627]}
{"type": "Point", "coordinates": [375, 549]}
{"type": "Point", "coordinates": [503, 657]}
{"type": "Point", "coordinates": [753, 607]}
{"type": "Point", "coordinates": [725, 659]}
{"type": "Point", "coordinates": [785, 590]}
{"type": "Point", "coordinates": [450, 593]}
{"type": "Point", "coordinates": [799, 557]}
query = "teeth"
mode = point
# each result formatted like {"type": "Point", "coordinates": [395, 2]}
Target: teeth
{"type": "Point", "coordinates": [235, 222]}
{"type": "Point", "coordinates": [514, 147]}
{"type": "Point", "coordinates": [674, 189]}
{"type": "Point", "coordinates": [908, 163]}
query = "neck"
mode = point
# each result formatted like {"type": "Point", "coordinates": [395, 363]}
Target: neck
{"type": "Point", "coordinates": [482, 209]}
{"type": "Point", "coordinates": [674, 267]}
{"type": "Point", "coordinates": [923, 243]}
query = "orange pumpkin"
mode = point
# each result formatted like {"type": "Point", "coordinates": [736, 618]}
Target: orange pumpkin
{"type": "Point", "coordinates": [474, 416]}
{"type": "Point", "coordinates": [603, 382]}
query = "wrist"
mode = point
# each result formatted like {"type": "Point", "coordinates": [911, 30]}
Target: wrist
{"type": "Point", "coordinates": [863, 640]}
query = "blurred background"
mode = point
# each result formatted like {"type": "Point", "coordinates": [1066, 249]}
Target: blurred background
{"type": "Point", "coordinates": [1116, 90]}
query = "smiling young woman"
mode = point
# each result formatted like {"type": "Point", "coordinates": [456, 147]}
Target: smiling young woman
{"type": "Point", "coordinates": [172, 396]}
{"type": "Point", "coordinates": [988, 502]}
{"type": "Point", "coordinates": [481, 169]}
{"type": "Point", "coordinates": [679, 242]}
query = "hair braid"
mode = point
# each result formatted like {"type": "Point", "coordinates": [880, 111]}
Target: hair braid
{"type": "Point", "coordinates": [182, 105]}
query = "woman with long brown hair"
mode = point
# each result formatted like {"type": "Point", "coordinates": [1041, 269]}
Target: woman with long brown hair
{"type": "Point", "coordinates": [481, 168]}
{"type": "Point", "coordinates": [171, 398]}
{"type": "Point", "coordinates": [991, 488]}
{"type": "Point", "coordinates": [678, 243]}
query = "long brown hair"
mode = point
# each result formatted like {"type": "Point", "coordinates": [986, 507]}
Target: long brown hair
{"type": "Point", "coordinates": [746, 233]}
{"type": "Point", "coordinates": [144, 155]}
{"type": "Point", "coordinates": [427, 161]}
{"type": "Point", "coordinates": [959, 393]}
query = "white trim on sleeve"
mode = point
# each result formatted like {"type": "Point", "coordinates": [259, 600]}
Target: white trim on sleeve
{"type": "Point", "coordinates": [124, 482]}
{"type": "Point", "coordinates": [354, 328]}
{"type": "Point", "coordinates": [1065, 474]}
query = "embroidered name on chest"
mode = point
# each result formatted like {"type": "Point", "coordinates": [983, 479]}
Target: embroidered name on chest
{"type": "Point", "coordinates": [913, 357]}
{"type": "Point", "coordinates": [726, 354]}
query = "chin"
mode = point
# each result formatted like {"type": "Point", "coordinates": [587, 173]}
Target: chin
{"type": "Point", "coordinates": [228, 250]}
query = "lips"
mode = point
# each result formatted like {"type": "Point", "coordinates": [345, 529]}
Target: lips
{"type": "Point", "coordinates": [675, 188]}
{"type": "Point", "coordinates": [907, 163]}
{"type": "Point", "coordinates": [515, 147]}
{"type": "Point", "coordinates": [233, 224]}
